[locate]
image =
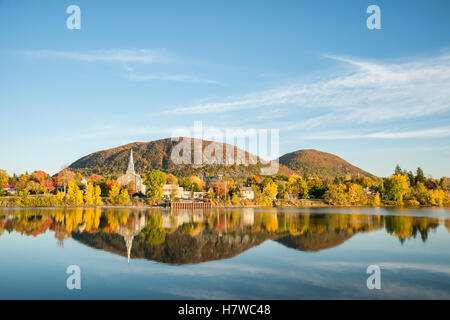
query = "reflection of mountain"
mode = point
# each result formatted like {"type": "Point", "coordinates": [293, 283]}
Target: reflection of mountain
{"type": "Point", "coordinates": [178, 248]}
{"type": "Point", "coordinates": [194, 236]}
{"type": "Point", "coordinates": [311, 241]}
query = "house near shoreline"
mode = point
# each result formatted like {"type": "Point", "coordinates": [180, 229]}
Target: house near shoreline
{"type": "Point", "coordinates": [169, 189]}
{"type": "Point", "coordinates": [131, 179]}
{"type": "Point", "coordinates": [10, 188]}
{"type": "Point", "coordinates": [178, 192]}
{"type": "Point", "coordinates": [247, 193]}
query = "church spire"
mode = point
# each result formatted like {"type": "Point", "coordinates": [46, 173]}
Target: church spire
{"type": "Point", "coordinates": [131, 163]}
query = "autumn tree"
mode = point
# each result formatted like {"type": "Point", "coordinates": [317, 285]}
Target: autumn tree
{"type": "Point", "coordinates": [437, 197]}
{"type": "Point", "coordinates": [3, 179]}
{"type": "Point", "coordinates": [254, 180]}
{"type": "Point", "coordinates": [65, 177]}
{"type": "Point", "coordinates": [421, 193]}
{"type": "Point", "coordinates": [445, 183]}
{"type": "Point", "coordinates": [376, 201]}
{"type": "Point", "coordinates": [220, 189]}
{"type": "Point", "coordinates": [39, 176]}
{"type": "Point", "coordinates": [316, 187]}
{"type": "Point", "coordinates": [356, 194]}
{"type": "Point", "coordinates": [271, 190]}
{"type": "Point", "coordinates": [398, 170]}
{"type": "Point", "coordinates": [89, 195]}
{"type": "Point", "coordinates": [48, 185]}
{"type": "Point", "coordinates": [97, 196]}
{"type": "Point", "coordinates": [95, 178]}
{"type": "Point", "coordinates": [124, 197]}
{"type": "Point", "coordinates": [171, 179]}
{"type": "Point", "coordinates": [155, 180]}
{"type": "Point", "coordinates": [74, 194]}
{"type": "Point", "coordinates": [34, 187]}
{"type": "Point", "coordinates": [298, 186]}
{"type": "Point", "coordinates": [114, 193]}
{"type": "Point", "coordinates": [337, 194]}
{"type": "Point", "coordinates": [192, 184]}
{"type": "Point", "coordinates": [396, 187]}
{"type": "Point", "coordinates": [420, 177]}
{"type": "Point", "coordinates": [110, 183]}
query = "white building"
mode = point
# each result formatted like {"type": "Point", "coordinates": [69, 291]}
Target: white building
{"type": "Point", "coordinates": [168, 189]}
{"type": "Point", "coordinates": [247, 193]}
{"type": "Point", "coordinates": [131, 179]}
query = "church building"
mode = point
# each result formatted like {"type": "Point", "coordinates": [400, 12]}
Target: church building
{"type": "Point", "coordinates": [131, 179]}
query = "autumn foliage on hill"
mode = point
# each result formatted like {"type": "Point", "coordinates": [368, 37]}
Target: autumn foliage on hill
{"type": "Point", "coordinates": [156, 155]}
{"type": "Point", "coordinates": [320, 164]}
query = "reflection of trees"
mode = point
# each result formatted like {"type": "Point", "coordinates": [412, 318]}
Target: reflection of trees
{"type": "Point", "coordinates": [187, 236]}
{"type": "Point", "coordinates": [153, 233]}
{"type": "Point", "coordinates": [405, 227]}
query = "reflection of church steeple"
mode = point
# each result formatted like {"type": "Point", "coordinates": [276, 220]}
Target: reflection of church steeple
{"type": "Point", "coordinates": [129, 244]}
{"type": "Point", "coordinates": [129, 231]}
{"type": "Point", "coordinates": [131, 163]}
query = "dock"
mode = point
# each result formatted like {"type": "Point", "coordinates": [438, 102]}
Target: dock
{"type": "Point", "coordinates": [190, 205]}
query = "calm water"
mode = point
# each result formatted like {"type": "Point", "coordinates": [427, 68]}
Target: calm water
{"type": "Point", "coordinates": [225, 253]}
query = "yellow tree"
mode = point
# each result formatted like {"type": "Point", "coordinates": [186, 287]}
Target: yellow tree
{"type": "Point", "coordinates": [114, 194]}
{"type": "Point", "coordinates": [60, 197]}
{"type": "Point", "coordinates": [124, 197]}
{"type": "Point", "coordinates": [74, 194]}
{"type": "Point", "coordinates": [89, 195]}
{"type": "Point", "coordinates": [3, 178]}
{"type": "Point", "coordinates": [337, 194]}
{"type": "Point", "coordinates": [356, 194]}
{"type": "Point", "coordinates": [396, 187]}
{"type": "Point", "coordinates": [271, 190]}
{"type": "Point", "coordinates": [421, 193]}
{"type": "Point", "coordinates": [79, 197]}
{"type": "Point", "coordinates": [376, 202]}
{"type": "Point", "coordinates": [97, 197]}
{"type": "Point", "coordinates": [436, 197]}
{"type": "Point", "coordinates": [155, 180]}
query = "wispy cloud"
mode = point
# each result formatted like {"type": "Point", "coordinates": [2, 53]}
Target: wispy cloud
{"type": "Point", "coordinates": [438, 132]}
{"type": "Point", "coordinates": [127, 57]}
{"type": "Point", "coordinates": [108, 55]}
{"type": "Point", "coordinates": [132, 76]}
{"type": "Point", "coordinates": [366, 92]}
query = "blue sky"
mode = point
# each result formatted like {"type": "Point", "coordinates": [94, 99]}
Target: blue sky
{"type": "Point", "coordinates": [137, 70]}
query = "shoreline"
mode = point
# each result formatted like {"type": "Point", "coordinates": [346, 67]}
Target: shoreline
{"type": "Point", "coordinates": [145, 207]}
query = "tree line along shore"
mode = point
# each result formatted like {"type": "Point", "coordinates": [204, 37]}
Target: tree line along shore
{"type": "Point", "coordinates": [68, 188]}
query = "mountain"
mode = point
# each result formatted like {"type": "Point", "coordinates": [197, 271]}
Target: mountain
{"type": "Point", "coordinates": [157, 155]}
{"type": "Point", "coordinates": [321, 164]}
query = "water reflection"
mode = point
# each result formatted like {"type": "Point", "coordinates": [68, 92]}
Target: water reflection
{"type": "Point", "coordinates": [194, 236]}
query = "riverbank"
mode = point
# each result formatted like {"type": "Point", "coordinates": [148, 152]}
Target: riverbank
{"type": "Point", "coordinates": [13, 202]}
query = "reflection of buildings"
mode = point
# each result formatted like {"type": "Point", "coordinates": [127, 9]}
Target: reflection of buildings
{"type": "Point", "coordinates": [248, 216]}
{"type": "Point", "coordinates": [130, 230]}
{"type": "Point", "coordinates": [132, 179]}
{"type": "Point", "coordinates": [179, 217]}
{"type": "Point", "coordinates": [194, 236]}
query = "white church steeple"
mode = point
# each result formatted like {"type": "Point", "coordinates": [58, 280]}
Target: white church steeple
{"type": "Point", "coordinates": [131, 163]}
